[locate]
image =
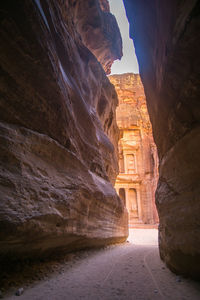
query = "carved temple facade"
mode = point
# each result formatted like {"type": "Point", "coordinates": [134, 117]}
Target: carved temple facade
{"type": "Point", "coordinates": [138, 162]}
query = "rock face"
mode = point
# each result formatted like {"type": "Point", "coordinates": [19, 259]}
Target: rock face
{"type": "Point", "coordinates": [138, 162]}
{"type": "Point", "coordinates": [57, 115]}
{"type": "Point", "coordinates": [99, 31]}
{"type": "Point", "coordinates": [167, 41]}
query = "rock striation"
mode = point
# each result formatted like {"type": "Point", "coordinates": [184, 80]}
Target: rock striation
{"type": "Point", "coordinates": [167, 42]}
{"type": "Point", "coordinates": [138, 161]}
{"type": "Point", "coordinates": [57, 130]}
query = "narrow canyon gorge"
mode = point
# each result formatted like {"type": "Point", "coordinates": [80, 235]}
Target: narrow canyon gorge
{"type": "Point", "coordinates": [59, 135]}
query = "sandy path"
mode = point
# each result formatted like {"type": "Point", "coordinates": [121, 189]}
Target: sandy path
{"type": "Point", "coordinates": [129, 271]}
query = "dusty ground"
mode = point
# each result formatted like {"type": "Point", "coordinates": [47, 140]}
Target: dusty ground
{"type": "Point", "coordinates": [128, 271]}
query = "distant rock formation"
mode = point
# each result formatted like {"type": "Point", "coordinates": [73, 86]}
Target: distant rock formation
{"type": "Point", "coordinates": [57, 130]}
{"type": "Point", "coordinates": [138, 162]}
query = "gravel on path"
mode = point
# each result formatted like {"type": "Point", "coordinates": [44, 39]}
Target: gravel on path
{"type": "Point", "coordinates": [132, 270]}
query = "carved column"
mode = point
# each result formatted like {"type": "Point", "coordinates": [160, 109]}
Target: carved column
{"type": "Point", "coordinates": [125, 164]}
{"type": "Point", "coordinates": [139, 205]}
{"type": "Point", "coordinates": [127, 199]}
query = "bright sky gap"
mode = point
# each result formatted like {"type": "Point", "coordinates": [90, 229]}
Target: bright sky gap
{"type": "Point", "coordinates": [128, 63]}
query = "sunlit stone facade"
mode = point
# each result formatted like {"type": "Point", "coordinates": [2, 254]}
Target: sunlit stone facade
{"type": "Point", "coordinates": [138, 163]}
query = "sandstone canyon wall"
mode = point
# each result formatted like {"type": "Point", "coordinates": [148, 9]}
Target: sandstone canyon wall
{"type": "Point", "coordinates": [57, 121]}
{"type": "Point", "coordinates": [138, 161]}
{"type": "Point", "coordinates": [99, 31]}
{"type": "Point", "coordinates": [167, 42]}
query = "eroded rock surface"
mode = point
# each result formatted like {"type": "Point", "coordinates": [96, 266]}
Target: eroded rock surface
{"type": "Point", "coordinates": [138, 161]}
{"type": "Point", "coordinates": [57, 115]}
{"type": "Point", "coordinates": [99, 31]}
{"type": "Point", "coordinates": [167, 41]}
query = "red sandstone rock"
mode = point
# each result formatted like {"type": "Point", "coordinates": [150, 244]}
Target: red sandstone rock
{"type": "Point", "coordinates": [99, 31]}
{"type": "Point", "coordinates": [104, 4]}
{"type": "Point", "coordinates": [167, 42]}
{"type": "Point", "coordinates": [138, 163]}
{"type": "Point", "coordinates": [57, 114]}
